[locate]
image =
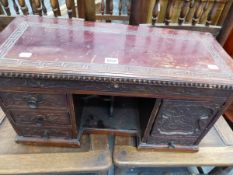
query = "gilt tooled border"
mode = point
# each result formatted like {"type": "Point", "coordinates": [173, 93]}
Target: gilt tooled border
{"type": "Point", "coordinates": [13, 38]}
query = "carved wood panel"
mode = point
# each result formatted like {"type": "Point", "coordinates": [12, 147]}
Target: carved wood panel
{"type": "Point", "coordinates": [46, 133]}
{"type": "Point", "coordinates": [40, 118]}
{"type": "Point", "coordinates": [181, 122]}
{"type": "Point", "coordinates": [33, 101]}
{"type": "Point", "coordinates": [11, 84]}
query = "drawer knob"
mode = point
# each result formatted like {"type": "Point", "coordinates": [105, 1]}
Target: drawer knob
{"type": "Point", "coordinates": [171, 145]}
{"type": "Point", "coordinates": [40, 121]}
{"type": "Point", "coordinates": [32, 103]}
{"type": "Point", "coordinates": [46, 134]}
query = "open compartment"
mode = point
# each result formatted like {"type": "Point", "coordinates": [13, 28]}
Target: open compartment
{"type": "Point", "coordinates": [112, 114]}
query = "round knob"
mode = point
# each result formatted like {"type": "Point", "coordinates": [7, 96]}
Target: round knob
{"type": "Point", "coordinates": [39, 121]}
{"type": "Point", "coordinates": [33, 103]}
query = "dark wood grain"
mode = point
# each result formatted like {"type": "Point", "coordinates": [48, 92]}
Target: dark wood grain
{"type": "Point", "coordinates": [211, 13]}
{"type": "Point", "coordinates": [155, 12]}
{"type": "Point", "coordinates": [176, 87]}
{"type": "Point", "coordinates": [4, 21]}
{"type": "Point", "coordinates": [33, 7]}
{"type": "Point", "coordinates": [198, 12]}
{"type": "Point", "coordinates": [182, 119]}
{"type": "Point", "coordinates": [45, 133]}
{"type": "Point", "coordinates": [38, 7]}
{"type": "Point", "coordinates": [1, 10]}
{"type": "Point", "coordinates": [148, 124]}
{"type": "Point", "coordinates": [56, 7]}
{"type": "Point", "coordinates": [89, 9]}
{"type": "Point", "coordinates": [227, 28]}
{"type": "Point", "coordinates": [118, 89]}
{"type": "Point", "coordinates": [184, 11]}
{"type": "Point", "coordinates": [168, 12]}
{"type": "Point", "coordinates": [40, 118]}
{"type": "Point", "coordinates": [227, 9]}
{"type": "Point", "coordinates": [74, 118]}
{"type": "Point", "coordinates": [23, 7]}
{"type": "Point", "coordinates": [81, 8]}
{"type": "Point", "coordinates": [33, 101]}
{"type": "Point", "coordinates": [208, 16]}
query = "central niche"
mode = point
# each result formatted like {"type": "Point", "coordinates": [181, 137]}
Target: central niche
{"type": "Point", "coordinates": [112, 114]}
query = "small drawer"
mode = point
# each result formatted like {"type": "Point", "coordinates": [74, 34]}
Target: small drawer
{"type": "Point", "coordinates": [33, 100]}
{"type": "Point", "coordinates": [40, 118]}
{"type": "Point", "coordinates": [28, 131]}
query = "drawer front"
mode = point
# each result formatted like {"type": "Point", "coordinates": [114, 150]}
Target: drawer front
{"type": "Point", "coordinates": [40, 118]}
{"type": "Point", "coordinates": [33, 100]}
{"type": "Point", "coordinates": [181, 122]}
{"type": "Point", "coordinates": [46, 133]}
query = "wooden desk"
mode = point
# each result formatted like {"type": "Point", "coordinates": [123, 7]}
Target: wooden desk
{"type": "Point", "coordinates": [92, 157]}
{"type": "Point", "coordinates": [216, 149]}
{"type": "Point", "coordinates": [61, 78]}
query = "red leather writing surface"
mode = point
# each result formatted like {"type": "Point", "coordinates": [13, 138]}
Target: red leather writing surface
{"type": "Point", "coordinates": [43, 45]}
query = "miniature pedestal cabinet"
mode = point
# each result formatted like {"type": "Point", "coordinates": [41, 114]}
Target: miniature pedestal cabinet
{"type": "Point", "coordinates": [62, 78]}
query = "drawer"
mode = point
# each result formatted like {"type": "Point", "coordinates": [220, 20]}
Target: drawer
{"type": "Point", "coordinates": [42, 132]}
{"type": "Point", "coordinates": [40, 118]}
{"type": "Point", "coordinates": [33, 100]}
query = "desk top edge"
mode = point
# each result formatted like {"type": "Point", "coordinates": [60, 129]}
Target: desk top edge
{"type": "Point", "coordinates": [107, 72]}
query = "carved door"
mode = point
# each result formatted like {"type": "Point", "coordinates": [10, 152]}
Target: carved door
{"type": "Point", "coordinates": [181, 122]}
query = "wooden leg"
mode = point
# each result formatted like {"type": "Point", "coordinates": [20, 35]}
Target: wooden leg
{"type": "Point", "coordinates": [226, 28]}
{"type": "Point", "coordinates": [1, 10]}
{"type": "Point", "coordinates": [139, 13]}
